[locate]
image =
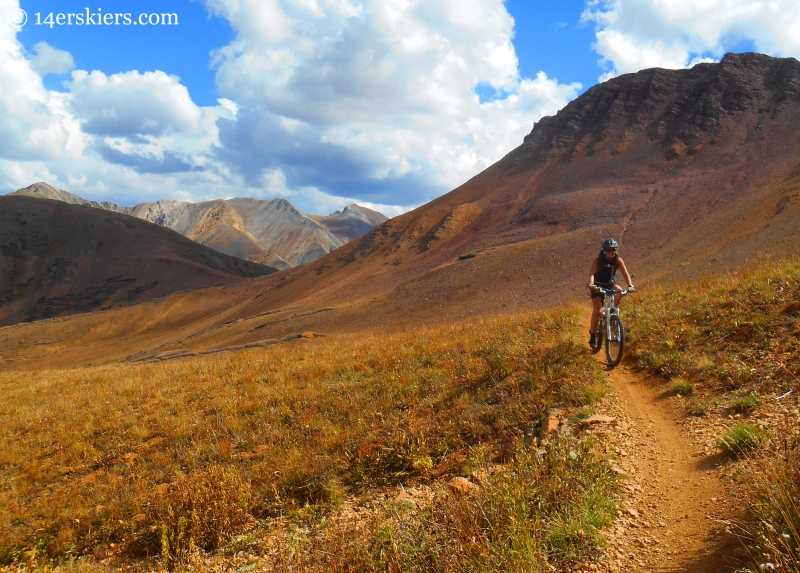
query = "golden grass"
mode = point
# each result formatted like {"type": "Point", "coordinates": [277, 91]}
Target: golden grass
{"type": "Point", "coordinates": [740, 331]}
{"type": "Point", "coordinates": [123, 461]}
{"type": "Point", "coordinates": [538, 513]}
{"type": "Point", "coordinates": [774, 537]}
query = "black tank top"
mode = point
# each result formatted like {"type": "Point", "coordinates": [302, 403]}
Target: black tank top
{"type": "Point", "coordinates": [606, 274]}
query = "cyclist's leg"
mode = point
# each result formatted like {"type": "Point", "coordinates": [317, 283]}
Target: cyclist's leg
{"type": "Point", "coordinates": [597, 302]}
{"type": "Point", "coordinates": [617, 298]}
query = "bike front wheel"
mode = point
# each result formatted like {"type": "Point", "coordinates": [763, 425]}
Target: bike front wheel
{"type": "Point", "coordinates": [615, 341]}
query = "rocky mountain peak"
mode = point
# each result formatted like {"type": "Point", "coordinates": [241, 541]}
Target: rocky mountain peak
{"type": "Point", "coordinates": [677, 109]}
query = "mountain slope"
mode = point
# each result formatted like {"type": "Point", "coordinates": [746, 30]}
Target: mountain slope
{"type": "Point", "coordinates": [44, 191]}
{"type": "Point", "coordinates": [59, 259]}
{"type": "Point", "coordinates": [351, 222]}
{"type": "Point", "coordinates": [269, 232]}
{"type": "Point", "coordinates": [215, 224]}
{"type": "Point", "coordinates": [694, 171]}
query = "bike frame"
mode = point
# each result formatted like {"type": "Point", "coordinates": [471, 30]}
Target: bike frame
{"type": "Point", "coordinates": [609, 308]}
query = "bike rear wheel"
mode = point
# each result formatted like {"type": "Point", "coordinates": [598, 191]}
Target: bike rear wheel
{"type": "Point", "coordinates": [615, 342]}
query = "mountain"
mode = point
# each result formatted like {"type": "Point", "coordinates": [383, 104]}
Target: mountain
{"type": "Point", "coordinates": [44, 191]}
{"type": "Point", "coordinates": [269, 232]}
{"type": "Point", "coordinates": [60, 258]}
{"type": "Point", "coordinates": [694, 171]}
{"type": "Point", "coordinates": [351, 222]}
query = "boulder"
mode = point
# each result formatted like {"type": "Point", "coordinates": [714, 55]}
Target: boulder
{"type": "Point", "coordinates": [598, 419]}
{"type": "Point", "coordinates": [462, 486]}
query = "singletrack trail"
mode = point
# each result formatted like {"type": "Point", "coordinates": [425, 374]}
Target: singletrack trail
{"type": "Point", "coordinates": [675, 499]}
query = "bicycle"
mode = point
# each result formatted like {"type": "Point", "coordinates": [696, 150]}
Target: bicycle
{"type": "Point", "coordinates": [610, 327]}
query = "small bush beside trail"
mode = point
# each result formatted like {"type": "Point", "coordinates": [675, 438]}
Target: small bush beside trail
{"type": "Point", "coordinates": [742, 439]}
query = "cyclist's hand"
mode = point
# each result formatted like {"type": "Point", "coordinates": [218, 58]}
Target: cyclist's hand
{"type": "Point", "coordinates": [631, 288]}
{"type": "Point", "coordinates": [593, 287]}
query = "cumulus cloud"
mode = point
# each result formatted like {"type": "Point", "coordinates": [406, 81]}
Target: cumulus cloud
{"type": "Point", "coordinates": [637, 34]}
{"type": "Point", "coordinates": [125, 137]}
{"type": "Point", "coordinates": [50, 60]}
{"type": "Point", "coordinates": [374, 100]}
{"type": "Point", "coordinates": [34, 122]}
{"type": "Point", "coordinates": [132, 105]}
{"type": "Point", "coordinates": [144, 163]}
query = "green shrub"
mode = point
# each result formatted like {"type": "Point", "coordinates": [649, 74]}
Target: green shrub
{"type": "Point", "coordinates": [741, 439]}
{"type": "Point", "coordinates": [698, 407]}
{"type": "Point", "coordinates": [679, 387]}
{"type": "Point", "coordinates": [745, 403]}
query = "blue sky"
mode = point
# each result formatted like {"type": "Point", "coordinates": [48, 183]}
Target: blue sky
{"type": "Point", "coordinates": [325, 102]}
{"type": "Point", "coordinates": [181, 50]}
{"type": "Point", "coordinates": [549, 37]}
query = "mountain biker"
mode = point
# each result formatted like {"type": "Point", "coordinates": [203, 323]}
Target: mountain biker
{"type": "Point", "coordinates": [603, 274]}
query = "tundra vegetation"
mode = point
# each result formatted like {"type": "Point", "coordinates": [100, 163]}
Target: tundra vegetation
{"type": "Point", "coordinates": [282, 452]}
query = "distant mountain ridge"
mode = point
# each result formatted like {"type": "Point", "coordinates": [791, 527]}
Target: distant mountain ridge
{"type": "Point", "coordinates": [270, 232]}
{"type": "Point", "coordinates": [58, 259]}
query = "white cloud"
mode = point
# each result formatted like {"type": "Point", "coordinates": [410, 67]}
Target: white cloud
{"type": "Point", "coordinates": [637, 34]}
{"type": "Point", "coordinates": [385, 94]}
{"type": "Point", "coordinates": [131, 105]}
{"type": "Point", "coordinates": [33, 121]}
{"type": "Point", "coordinates": [50, 60]}
{"type": "Point", "coordinates": [629, 54]}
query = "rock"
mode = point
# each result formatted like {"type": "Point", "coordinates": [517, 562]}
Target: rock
{"type": "Point", "coordinates": [598, 419]}
{"type": "Point", "coordinates": [528, 439]}
{"type": "Point", "coordinates": [462, 486]}
{"type": "Point", "coordinates": [405, 498]}
{"type": "Point", "coordinates": [550, 425]}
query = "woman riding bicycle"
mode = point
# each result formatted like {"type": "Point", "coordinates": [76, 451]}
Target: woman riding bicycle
{"type": "Point", "coordinates": [603, 274]}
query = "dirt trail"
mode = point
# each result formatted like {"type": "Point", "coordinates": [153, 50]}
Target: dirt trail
{"type": "Point", "coordinates": [675, 498]}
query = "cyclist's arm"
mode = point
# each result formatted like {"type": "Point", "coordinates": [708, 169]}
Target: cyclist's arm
{"type": "Point", "coordinates": [623, 269]}
{"type": "Point", "coordinates": [595, 266]}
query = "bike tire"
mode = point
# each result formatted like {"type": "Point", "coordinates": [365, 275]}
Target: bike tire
{"type": "Point", "coordinates": [615, 344]}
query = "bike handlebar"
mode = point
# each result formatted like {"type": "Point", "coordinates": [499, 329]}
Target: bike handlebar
{"type": "Point", "coordinates": [602, 290]}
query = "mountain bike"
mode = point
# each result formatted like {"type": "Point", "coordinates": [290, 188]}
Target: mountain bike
{"type": "Point", "coordinates": [610, 327]}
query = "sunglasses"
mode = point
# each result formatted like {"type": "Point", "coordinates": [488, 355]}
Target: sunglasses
{"type": "Point", "coordinates": [610, 250]}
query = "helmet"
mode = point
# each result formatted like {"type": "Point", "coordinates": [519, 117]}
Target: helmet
{"type": "Point", "coordinates": [610, 244]}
